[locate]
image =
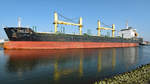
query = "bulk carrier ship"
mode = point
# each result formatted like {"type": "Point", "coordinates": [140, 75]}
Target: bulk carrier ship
{"type": "Point", "coordinates": [27, 38]}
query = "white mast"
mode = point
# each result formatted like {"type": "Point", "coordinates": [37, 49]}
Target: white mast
{"type": "Point", "coordinates": [19, 22]}
{"type": "Point", "coordinates": [127, 24]}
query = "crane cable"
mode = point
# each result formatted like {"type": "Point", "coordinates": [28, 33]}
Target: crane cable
{"type": "Point", "coordinates": [68, 19]}
{"type": "Point", "coordinates": [106, 25]}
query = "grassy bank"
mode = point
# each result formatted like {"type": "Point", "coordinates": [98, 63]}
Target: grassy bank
{"type": "Point", "coordinates": [139, 76]}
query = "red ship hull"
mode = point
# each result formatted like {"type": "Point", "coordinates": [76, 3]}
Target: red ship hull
{"type": "Point", "coordinates": [63, 45]}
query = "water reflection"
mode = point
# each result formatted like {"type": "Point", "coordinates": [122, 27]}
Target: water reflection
{"type": "Point", "coordinates": [91, 64]}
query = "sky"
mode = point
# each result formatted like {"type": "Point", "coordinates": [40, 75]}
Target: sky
{"type": "Point", "coordinates": [40, 13]}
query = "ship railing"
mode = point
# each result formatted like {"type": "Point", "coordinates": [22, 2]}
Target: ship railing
{"type": "Point", "coordinates": [46, 32]}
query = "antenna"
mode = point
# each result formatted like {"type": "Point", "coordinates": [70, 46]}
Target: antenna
{"type": "Point", "coordinates": [19, 22]}
{"type": "Point", "coordinates": [3, 26]}
{"type": "Point", "coordinates": [127, 24]}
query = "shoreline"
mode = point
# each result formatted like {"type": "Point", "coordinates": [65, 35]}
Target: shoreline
{"type": "Point", "coordinates": [141, 75]}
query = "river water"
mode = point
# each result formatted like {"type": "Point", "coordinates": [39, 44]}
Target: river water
{"type": "Point", "coordinates": [69, 66]}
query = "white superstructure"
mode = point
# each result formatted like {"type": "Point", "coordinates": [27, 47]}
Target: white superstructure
{"type": "Point", "coordinates": [128, 33]}
{"type": "Point", "coordinates": [1, 40]}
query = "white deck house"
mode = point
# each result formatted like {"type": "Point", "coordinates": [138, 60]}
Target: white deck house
{"type": "Point", "coordinates": [1, 40]}
{"type": "Point", "coordinates": [128, 33]}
